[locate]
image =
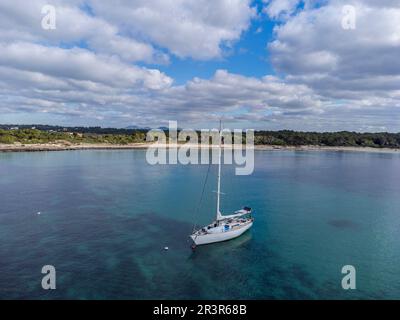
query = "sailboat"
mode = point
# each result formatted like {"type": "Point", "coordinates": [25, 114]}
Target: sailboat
{"type": "Point", "coordinates": [225, 227]}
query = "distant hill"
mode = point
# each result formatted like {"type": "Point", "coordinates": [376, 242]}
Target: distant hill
{"type": "Point", "coordinates": [147, 128]}
{"type": "Point", "coordinates": [137, 128]}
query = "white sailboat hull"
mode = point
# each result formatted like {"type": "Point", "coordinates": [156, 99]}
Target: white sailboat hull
{"type": "Point", "coordinates": [220, 236]}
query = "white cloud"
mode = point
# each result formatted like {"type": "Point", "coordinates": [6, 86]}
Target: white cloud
{"type": "Point", "coordinates": [193, 103]}
{"type": "Point", "coordinates": [313, 42]}
{"type": "Point", "coordinates": [277, 9]}
{"type": "Point", "coordinates": [360, 67]}
{"type": "Point", "coordinates": [86, 69]}
{"type": "Point", "coordinates": [199, 29]}
{"type": "Point", "coordinates": [189, 28]}
{"type": "Point", "coordinates": [79, 64]}
{"type": "Point", "coordinates": [20, 21]}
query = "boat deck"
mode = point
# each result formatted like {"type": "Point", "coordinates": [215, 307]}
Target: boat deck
{"type": "Point", "coordinates": [225, 225]}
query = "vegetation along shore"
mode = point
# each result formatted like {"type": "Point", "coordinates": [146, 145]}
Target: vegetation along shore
{"type": "Point", "coordinates": [51, 138]}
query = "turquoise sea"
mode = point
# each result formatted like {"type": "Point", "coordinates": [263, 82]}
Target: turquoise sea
{"type": "Point", "coordinates": [106, 216]}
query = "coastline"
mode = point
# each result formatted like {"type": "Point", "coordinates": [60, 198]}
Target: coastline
{"type": "Point", "coordinates": [61, 146]}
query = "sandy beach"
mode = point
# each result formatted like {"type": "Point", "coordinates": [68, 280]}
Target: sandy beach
{"type": "Point", "coordinates": [63, 146]}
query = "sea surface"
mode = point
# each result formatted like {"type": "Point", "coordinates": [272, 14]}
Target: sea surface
{"type": "Point", "coordinates": [106, 217]}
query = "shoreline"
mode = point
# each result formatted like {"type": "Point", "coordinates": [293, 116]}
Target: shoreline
{"type": "Point", "coordinates": [87, 146]}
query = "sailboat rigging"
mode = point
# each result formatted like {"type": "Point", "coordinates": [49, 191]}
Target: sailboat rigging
{"type": "Point", "coordinates": [225, 227]}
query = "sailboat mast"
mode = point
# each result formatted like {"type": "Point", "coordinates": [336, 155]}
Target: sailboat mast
{"type": "Point", "coordinates": [219, 170]}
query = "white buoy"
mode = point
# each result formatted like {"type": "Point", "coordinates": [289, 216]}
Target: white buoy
{"type": "Point", "coordinates": [39, 212]}
{"type": "Point", "coordinates": [166, 248]}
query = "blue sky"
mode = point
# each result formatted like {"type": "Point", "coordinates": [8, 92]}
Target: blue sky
{"type": "Point", "coordinates": [265, 64]}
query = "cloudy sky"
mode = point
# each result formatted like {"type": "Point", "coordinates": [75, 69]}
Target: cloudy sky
{"type": "Point", "coordinates": [267, 64]}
